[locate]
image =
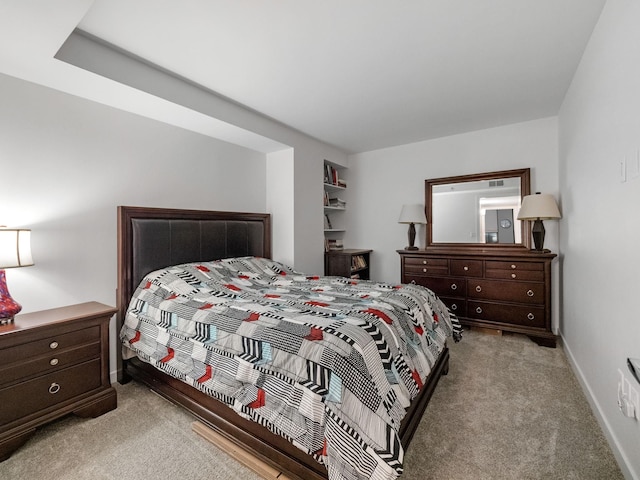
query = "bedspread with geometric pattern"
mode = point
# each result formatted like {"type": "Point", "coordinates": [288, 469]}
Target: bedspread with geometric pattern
{"type": "Point", "coordinates": [329, 363]}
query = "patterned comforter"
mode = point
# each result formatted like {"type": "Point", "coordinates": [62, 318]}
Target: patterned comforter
{"type": "Point", "coordinates": [329, 363]}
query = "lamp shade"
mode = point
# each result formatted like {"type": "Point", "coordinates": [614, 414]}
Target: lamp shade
{"type": "Point", "coordinates": [540, 206]}
{"type": "Point", "coordinates": [412, 214]}
{"type": "Point", "coordinates": [15, 248]}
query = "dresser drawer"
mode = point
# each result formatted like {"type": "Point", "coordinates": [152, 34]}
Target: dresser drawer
{"type": "Point", "coordinates": [530, 316]}
{"type": "Point", "coordinates": [53, 343]}
{"type": "Point", "coordinates": [56, 360]}
{"type": "Point", "coordinates": [426, 266]}
{"type": "Point", "coordinates": [445, 286]}
{"type": "Point", "coordinates": [425, 261]}
{"type": "Point", "coordinates": [458, 306]}
{"type": "Point", "coordinates": [517, 292]}
{"type": "Point", "coordinates": [526, 275]}
{"type": "Point", "coordinates": [519, 270]}
{"type": "Point", "coordinates": [48, 390]}
{"type": "Point", "coordinates": [469, 268]}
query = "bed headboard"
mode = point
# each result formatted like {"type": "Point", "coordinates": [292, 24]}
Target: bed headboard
{"type": "Point", "coordinates": [153, 238]}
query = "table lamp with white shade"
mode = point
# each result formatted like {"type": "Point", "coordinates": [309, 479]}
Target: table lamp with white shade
{"type": "Point", "coordinates": [15, 251]}
{"type": "Point", "coordinates": [539, 207]}
{"type": "Point", "coordinates": [412, 214]}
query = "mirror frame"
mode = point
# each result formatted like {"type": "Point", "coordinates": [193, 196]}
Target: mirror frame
{"type": "Point", "coordinates": [525, 188]}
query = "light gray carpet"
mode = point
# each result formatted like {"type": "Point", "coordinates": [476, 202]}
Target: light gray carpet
{"type": "Point", "coordinates": [508, 409]}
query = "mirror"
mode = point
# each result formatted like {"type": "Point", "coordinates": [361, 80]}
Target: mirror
{"type": "Point", "coordinates": [478, 210]}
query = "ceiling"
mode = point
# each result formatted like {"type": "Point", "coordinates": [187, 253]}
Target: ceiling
{"type": "Point", "coordinates": [357, 74]}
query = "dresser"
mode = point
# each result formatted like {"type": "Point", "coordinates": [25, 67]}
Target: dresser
{"type": "Point", "coordinates": [506, 290]}
{"type": "Point", "coordinates": [53, 363]}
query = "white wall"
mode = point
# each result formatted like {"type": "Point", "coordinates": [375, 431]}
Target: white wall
{"type": "Point", "coordinates": [280, 198]}
{"type": "Point", "coordinates": [599, 125]}
{"type": "Point", "coordinates": [295, 187]}
{"type": "Point", "coordinates": [66, 163]}
{"type": "Point", "coordinates": [382, 180]}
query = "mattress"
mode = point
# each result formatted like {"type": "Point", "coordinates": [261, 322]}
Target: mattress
{"type": "Point", "coordinates": [329, 363]}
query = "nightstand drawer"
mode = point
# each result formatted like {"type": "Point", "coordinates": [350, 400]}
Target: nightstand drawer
{"type": "Point", "coordinates": [46, 363]}
{"type": "Point", "coordinates": [48, 390]}
{"type": "Point", "coordinates": [50, 344]}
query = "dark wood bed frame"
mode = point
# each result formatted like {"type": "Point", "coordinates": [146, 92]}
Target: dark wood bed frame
{"type": "Point", "coordinates": [153, 238]}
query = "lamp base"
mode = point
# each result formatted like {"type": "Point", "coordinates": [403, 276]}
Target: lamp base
{"type": "Point", "coordinates": [9, 308]}
{"type": "Point", "coordinates": [538, 235]}
{"type": "Point", "coordinates": [411, 247]}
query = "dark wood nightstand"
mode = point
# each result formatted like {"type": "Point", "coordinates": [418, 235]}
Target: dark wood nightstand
{"type": "Point", "coordinates": [350, 262]}
{"type": "Point", "coordinates": [53, 363]}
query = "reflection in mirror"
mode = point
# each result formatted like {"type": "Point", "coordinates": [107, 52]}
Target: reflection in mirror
{"type": "Point", "coordinates": [477, 209]}
{"type": "Point", "coordinates": [478, 212]}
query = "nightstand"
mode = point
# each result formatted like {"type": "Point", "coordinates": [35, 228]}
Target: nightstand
{"type": "Point", "coordinates": [350, 262]}
{"type": "Point", "coordinates": [53, 363]}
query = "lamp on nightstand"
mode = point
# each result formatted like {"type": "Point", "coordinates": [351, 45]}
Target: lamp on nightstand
{"type": "Point", "coordinates": [15, 251]}
{"type": "Point", "coordinates": [412, 214]}
{"type": "Point", "coordinates": [538, 207]}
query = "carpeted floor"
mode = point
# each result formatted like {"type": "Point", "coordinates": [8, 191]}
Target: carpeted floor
{"type": "Point", "coordinates": [508, 409]}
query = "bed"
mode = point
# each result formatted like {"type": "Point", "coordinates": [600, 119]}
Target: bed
{"type": "Point", "coordinates": [245, 343]}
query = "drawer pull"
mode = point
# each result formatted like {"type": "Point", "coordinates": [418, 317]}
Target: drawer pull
{"type": "Point", "coordinates": [424, 270]}
{"type": "Point", "coordinates": [454, 286]}
{"type": "Point", "coordinates": [54, 388]}
{"type": "Point", "coordinates": [531, 316]}
{"type": "Point", "coordinates": [465, 268]}
{"type": "Point", "coordinates": [454, 307]}
{"type": "Point", "coordinates": [530, 293]}
{"type": "Point", "coordinates": [513, 266]}
{"type": "Point", "coordinates": [53, 361]}
{"type": "Point", "coordinates": [478, 288]}
{"type": "Point", "coordinates": [53, 345]}
{"type": "Point", "coordinates": [424, 262]}
{"type": "Point", "coordinates": [513, 275]}
{"type": "Point", "coordinates": [478, 310]}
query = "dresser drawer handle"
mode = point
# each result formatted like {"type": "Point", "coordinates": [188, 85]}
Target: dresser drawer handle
{"type": "Point", "coordinates": [53, 345]}
{"type": "Point", "coordinates": [54, 388]}
{"type": "Point", "coordinates": [53, 361]}
{"type": "Point", "coordinates": [424, 262]}
{"type": "Point", "coordinates": [530, 293]}
{"type": "Point", "coordinates": [478, 310]}
{"type": "Point", "coordinates": [531, 316]}
{"type": "Point", "coordinates": [513, 275]}
{"type": "Point", "coordinates": [454, 286]}
{"type": "Point", "coordinates": [454, 307]}
{"type": "Point", "coordinates": [478, 288]}
{"type": "Point", "coordinates": [513, 266]}
{"type": "Point", "coordinates": [424, 270]}
{"type": "Point", "coordinates": [465, 268]}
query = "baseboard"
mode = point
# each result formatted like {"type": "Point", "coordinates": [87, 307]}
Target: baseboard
{"type": "Point", "coordinates": [621, 458]}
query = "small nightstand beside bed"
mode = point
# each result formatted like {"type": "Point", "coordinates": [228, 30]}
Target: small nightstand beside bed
{"type": "Point", "coordinates": [307, 373]}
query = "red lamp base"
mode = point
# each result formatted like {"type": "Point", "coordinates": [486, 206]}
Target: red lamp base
{"type": "Point", "coordinates": [9, 308]}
